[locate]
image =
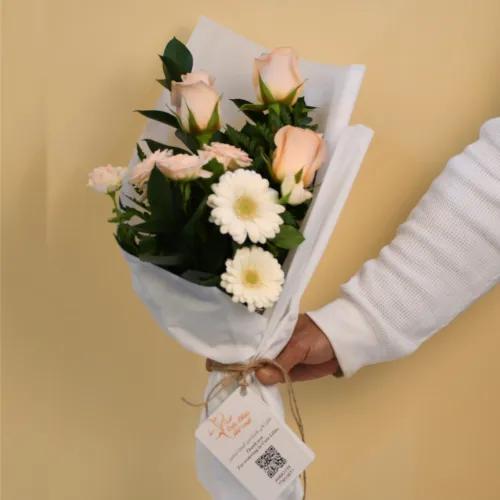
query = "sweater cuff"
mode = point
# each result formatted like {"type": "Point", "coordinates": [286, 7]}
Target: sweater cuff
{"type": "Point", "coordinates": [353, 339]}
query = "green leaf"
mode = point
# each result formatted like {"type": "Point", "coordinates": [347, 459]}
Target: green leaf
{"type": "Point", "coordinates": [189, 140]}
{"type": "Point", "coordinates": [298, 175]}
{"type": "Point", "coordinates": [177, 61]}
{"type": "Point", "coordinates": [158, 146]}
{"type": "Point", "coordinates": [140, 153]}
{"type": "Point", "coordinates": [251, 110]}
{"type": "Point", "coordinates": [180, 54]}
{"type": "Point", "coordinates": [216, 168]}
{"type": "Point", "coordinates": [214, 122]}
{"type": "Point", "coordinates": [288, 218]}
{"type": "Point", "coordinates": [267, 96]}
{"type": "Point", "coordinates": [159, 191]}
{"type": "Point", "coordinates": [125, 237]}
{"type": "Point", "coordinates": [165, 201]}
{"type": "Point", "coordinates": [253, 107]}
{"type": "Point", "coordinates": [240, 102]}
{"type": "Point", "coordinates": [219, 136]}
{"type": "Point", "coordinates": [289, 237]}
{"type": "Point", "coordinates": [302, 102]}
{"type": "Point", "coordinates": [274, 108]}
{"type": "Point", "coordinates": [234, 136]}
{"type": "Point", "coordinates": [266, 133]}
{"type": "Point", "coordinates": [201, 277]}
{"type": "Point", "coordinates": [284, 199]}
{"type": "Point", "coordinates": [126, 213]}
{"type": "Point", "coordinates": [193, 126]}
{"type": "Point", "coordinates": [216, 251]}
{"type": "Point", "coordinates": [163, 260]}
{"type": "Point", "coordinates": [291, 96]}
{"type": "Point", "coordinates": [204, 138]}
{"type": "Point", "coordinates": [285, 115]}
{"type": "Point", "coordinates": [248, 139]}
{"type": "Point", "coordinates": [160, 116]}
{"type": "Point", "coordinates": [300, 111]}
{"type": "Point", "coordinates": [190, 230]}
{"type": "Point", "coordinates": [131, 212]}
{"type": "Point", "coordinates": [299, 211]}
{"type": "Point", "coordinates": [152, 226]}
{"type": "Point", "coordinates": [148, 245]}
{"type": "Point", "coordinates": [274, 119]}
{"type": "Point", "coordinates": [259, 164]}
{"type": "Point", "coordinates": [164, 83]}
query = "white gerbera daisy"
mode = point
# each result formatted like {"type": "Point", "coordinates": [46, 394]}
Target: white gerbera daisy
{"type": "Point", "coordinates": [253, 277]}
{"type": "Point", "coordinates": [244, 205]}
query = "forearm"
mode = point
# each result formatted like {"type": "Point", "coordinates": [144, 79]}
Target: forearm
{"type": "Point", "coordinates": [443, 257]}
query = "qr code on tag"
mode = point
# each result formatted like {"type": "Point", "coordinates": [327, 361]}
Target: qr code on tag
{"type": "Point", "coordinates": [271, 461]}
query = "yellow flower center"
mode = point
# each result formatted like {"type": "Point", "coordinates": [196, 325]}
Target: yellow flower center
{"type": "Point", "coordinates": [251, 277]}
{"type": "Point", "coordinates": [245, 207]}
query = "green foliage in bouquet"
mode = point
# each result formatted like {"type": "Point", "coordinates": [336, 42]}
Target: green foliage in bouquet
{"type": "Point", "coordinates": [171, 229]}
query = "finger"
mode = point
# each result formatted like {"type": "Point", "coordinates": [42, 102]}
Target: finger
{"type": "Point", "coordinates": [294, 353]}
{"type": "Point", "coordinates": [300, 372]}
{"type": "Point", "coordinates": [303, 372]}
{"type": "Point", "coordinates": [268, 375]}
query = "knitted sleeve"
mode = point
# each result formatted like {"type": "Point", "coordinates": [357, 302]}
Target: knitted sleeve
{"type": "Point", "coordinates": [445, 256]}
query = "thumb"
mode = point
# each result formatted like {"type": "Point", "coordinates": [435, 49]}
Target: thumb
{"type": "Point", "coordinates": [294, 353]}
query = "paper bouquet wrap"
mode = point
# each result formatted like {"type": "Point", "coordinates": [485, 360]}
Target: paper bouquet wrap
{"type": "Point", "coordinates": [204, 319]}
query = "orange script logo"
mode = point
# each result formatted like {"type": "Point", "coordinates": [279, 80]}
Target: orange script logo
{"type": "Point", "coordinates": [229, 426]}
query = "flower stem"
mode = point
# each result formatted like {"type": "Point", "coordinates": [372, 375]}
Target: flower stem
{"type": "Point", "coordinates": [112, 195]}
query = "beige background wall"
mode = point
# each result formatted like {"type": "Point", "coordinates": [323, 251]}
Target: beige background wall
{"type": "Point", "coordinates": [91, 386]}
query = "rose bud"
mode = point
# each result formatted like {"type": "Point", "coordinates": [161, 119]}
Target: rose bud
{"type": "Point", "coordinates": [196, 103]}
{"type": "Point", "coordinates": [276, 76]}
{"type": "Point", "coordinates": [297, 149]}
{"type": "Point", "coordinates": [189, 79]}
{"type": "Point", "coordinates": [293, 191]}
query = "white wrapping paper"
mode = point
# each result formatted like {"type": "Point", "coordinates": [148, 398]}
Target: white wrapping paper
{"type": "Point", "coordinates": [205, 320]}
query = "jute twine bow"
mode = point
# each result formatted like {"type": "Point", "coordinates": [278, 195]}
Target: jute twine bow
{"type": "Point", "coordinates": [240, 373]}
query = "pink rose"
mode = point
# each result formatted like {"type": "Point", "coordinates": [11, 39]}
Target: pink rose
{"type": "Point", "coordinates": [196, 103]}
{"type": "Point", "coordinates": [297, 149]}
{"type": "Point", "coordinates": [279, 72]}
{"type": "Point", "coordinates": [188, 79]}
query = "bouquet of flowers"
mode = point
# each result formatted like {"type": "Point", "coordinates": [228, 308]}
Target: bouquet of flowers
{"type": "Point", "coordinates": [224, 213]}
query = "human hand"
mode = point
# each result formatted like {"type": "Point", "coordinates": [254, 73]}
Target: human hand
{"type": "Point", "coordinates": [308, 355]}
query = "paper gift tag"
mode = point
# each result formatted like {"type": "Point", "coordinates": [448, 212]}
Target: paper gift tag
{"type": "Point", "coordinates": [257, 447]}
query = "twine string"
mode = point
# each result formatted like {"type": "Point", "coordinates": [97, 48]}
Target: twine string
{"type": "Point", "coordinates": [240, 372]}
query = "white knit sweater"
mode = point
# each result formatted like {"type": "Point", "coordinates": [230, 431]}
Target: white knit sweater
{"type": "Point", "coordinates": [445, 256]}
